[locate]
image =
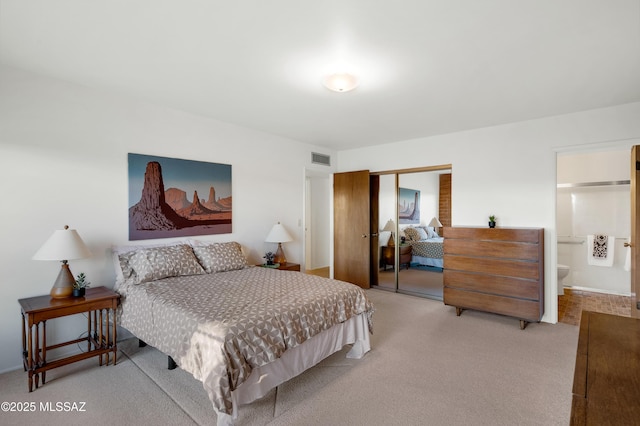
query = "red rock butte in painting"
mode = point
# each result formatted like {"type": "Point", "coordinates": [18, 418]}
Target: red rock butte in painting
{"type": "Point", "coordinates": [160, 210]}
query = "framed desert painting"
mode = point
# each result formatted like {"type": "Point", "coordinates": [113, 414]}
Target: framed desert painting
{"type": "Point", "coordinates": [171, 197]}
{"type": "Point", "coordinates": [408, 206]}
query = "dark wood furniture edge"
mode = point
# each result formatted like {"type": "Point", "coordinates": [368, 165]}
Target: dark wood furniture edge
{"type": "Point", "coordinates": [579, 398]}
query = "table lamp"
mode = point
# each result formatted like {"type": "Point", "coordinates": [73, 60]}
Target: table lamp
{"type": "Point", "coordinates": [279, 235]}
{"type": "Point", "coordinates": [390, 226]}
{"type": "Point", "coordinates": [64, 245]}
{"type": "Point", "coordinates": [435, 223]}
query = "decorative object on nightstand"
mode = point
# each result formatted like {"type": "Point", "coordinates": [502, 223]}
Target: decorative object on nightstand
{"type": "Point", "coordinates": [269, 256]}
{"type": "Point", "coordinates": [80, 286]}
{"type": "Point", "coordinates": [435, 223]}
{"type": "Point", "coordinates": [390, 226]}
{"type": "Point", "coordinates": [279, 235]}
{"type": "Point", "coordinates": [64, 245]}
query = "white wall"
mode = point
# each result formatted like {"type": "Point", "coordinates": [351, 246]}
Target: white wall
{"type": "Point", "coordinates": [594, 210]}
{"type": "Point", "coordinates": [63, 160]}
{"type": "Point", "coordinates": [508, 170]}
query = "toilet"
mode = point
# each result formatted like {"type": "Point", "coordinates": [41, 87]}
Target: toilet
{"type": "Point", "coordinates": [563, 271]}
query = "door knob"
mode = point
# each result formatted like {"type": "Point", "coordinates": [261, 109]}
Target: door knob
{"type": "Point", "coordinates": [364, 235]}
{"type": "Point", "coordinates": [628, 245]}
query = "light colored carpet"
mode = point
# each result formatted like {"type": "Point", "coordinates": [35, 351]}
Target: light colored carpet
{"type": "Point", "coordinates": [427, 366]}
{"type": "Point", "coordinates": [421, 280]}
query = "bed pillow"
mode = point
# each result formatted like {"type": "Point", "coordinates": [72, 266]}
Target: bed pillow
{"type": "Point", "coordinates": [412, 234]}
{"type": "Point", "coordinates": [422, 232]}
{"type": "Point", "coordinates": [432, 233]}
{"type": "Point", "coordinates": [121, 256]}
{"type": "Point", "coordinates": [163, 262]}
{"type": "Point", "coordinates": [220, 257]}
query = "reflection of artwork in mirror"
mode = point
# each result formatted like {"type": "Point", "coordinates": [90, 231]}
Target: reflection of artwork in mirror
{"type": "Point", "coordinates": [409, 205]}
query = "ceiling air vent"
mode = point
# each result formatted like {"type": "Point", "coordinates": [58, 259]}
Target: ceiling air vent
{"type": "Point", "coordinates": [316, 158]}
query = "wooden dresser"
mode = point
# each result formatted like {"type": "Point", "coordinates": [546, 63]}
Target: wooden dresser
{"type": "Point", "coordinates": [606, 381]}
{"type": "Point", "coordinates": [498, 270]}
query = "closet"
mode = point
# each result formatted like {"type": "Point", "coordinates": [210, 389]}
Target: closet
{"type": "Point", "coordinates": [364, 203]}
{"type": "Point", "coordinates": [409, 198]}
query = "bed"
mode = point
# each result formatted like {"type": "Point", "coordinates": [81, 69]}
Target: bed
{"type": "Point", "coordinates": [241, 330]}
{"type": "Point", "coordinates": [426, 246]}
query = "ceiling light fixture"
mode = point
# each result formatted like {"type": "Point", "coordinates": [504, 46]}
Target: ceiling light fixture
{"type": "Point", "coordinates": [340, 82]}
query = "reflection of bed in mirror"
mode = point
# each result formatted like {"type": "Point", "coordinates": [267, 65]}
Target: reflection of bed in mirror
{"type": "Point", "coordinates": [428, 252]}
{"type": "Point", "coordinates": [427, 246]}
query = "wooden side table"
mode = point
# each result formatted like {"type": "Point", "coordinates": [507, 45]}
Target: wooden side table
{"type": "Point", "coordinates": [99, 303]}
{"type": "Point", "coordinates": [288, 266]}
{"type": "Point", "coordinates": [389, 256]}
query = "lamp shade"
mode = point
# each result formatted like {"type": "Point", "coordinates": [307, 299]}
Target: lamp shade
{"type": "Point", "coordinates": [64, 244]}
{"type": "Point", "coordinates": [435, 223]}
{"type": "Point", "coordinates": [390, 226]}
{"type": "Point", "coordinates": [278, 234]}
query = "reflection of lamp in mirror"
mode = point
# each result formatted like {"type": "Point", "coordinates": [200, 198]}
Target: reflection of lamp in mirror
{"type": "Point", "coordinates": [279, 235]}
{"type": "Point", "coordinates": [435, 223]}
{"type": "Point", "coordinates": [64, 245]}
{"type": "Point", "coordinates": [390, 226]}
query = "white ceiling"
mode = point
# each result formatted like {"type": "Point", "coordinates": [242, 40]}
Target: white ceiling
{"type": "Point", "coordinates": [426, 67]}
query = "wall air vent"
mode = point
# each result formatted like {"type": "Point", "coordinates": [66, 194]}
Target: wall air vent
{"type": "Point", "coordinates": [316, 158]}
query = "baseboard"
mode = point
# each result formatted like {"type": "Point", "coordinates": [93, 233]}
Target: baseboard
{"type": "Point", "coordinates": [596, 290]}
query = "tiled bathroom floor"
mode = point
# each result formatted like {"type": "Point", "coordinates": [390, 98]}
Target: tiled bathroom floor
{"type": "Point", "coordinates": [571, 305]}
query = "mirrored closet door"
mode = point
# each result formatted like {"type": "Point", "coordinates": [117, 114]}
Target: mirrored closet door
{"type": "Point", "coordinates": [413, 207]}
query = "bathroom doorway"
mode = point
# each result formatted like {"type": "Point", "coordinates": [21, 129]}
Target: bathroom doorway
{"type": "Point", "coordinates": [593, 198]}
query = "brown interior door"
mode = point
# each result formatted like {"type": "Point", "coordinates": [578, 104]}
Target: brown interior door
{"type": "Point", "coordinates": [351, 222]}
{"type": "Point", "coordinates": [635, 226]}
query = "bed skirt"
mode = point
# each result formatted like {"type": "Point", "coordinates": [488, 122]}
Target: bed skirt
{"type": "Point", "coordinates": [428, 261]}
{"type": "Point", "coordinates": [298, 359]}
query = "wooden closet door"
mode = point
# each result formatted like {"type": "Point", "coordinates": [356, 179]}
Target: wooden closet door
{"type": "Point", "coordinates": [635, 227]}
{"type": "Point", "coordinates": [351, 233]}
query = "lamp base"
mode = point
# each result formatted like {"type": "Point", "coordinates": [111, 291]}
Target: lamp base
{"type": "Point", "coordinates": [391, 241]}
{"type": "Point", "coordinates": [63, 287]}
{"type": "Point", "coordinates": [279, 256]}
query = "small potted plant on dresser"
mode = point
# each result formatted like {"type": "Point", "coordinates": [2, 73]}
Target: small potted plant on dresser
{"type": "Point", "coordinates": [80, 286]}
{"type": "Point", "coordinates": [492, 221]}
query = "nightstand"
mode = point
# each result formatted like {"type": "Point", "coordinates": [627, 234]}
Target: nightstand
{"type": "Point", "coordinates": [99, 304]}
{"type": "Point", "coordinates": [288, 266]}
{"type": "Point", "coordinates": [388, 255]}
